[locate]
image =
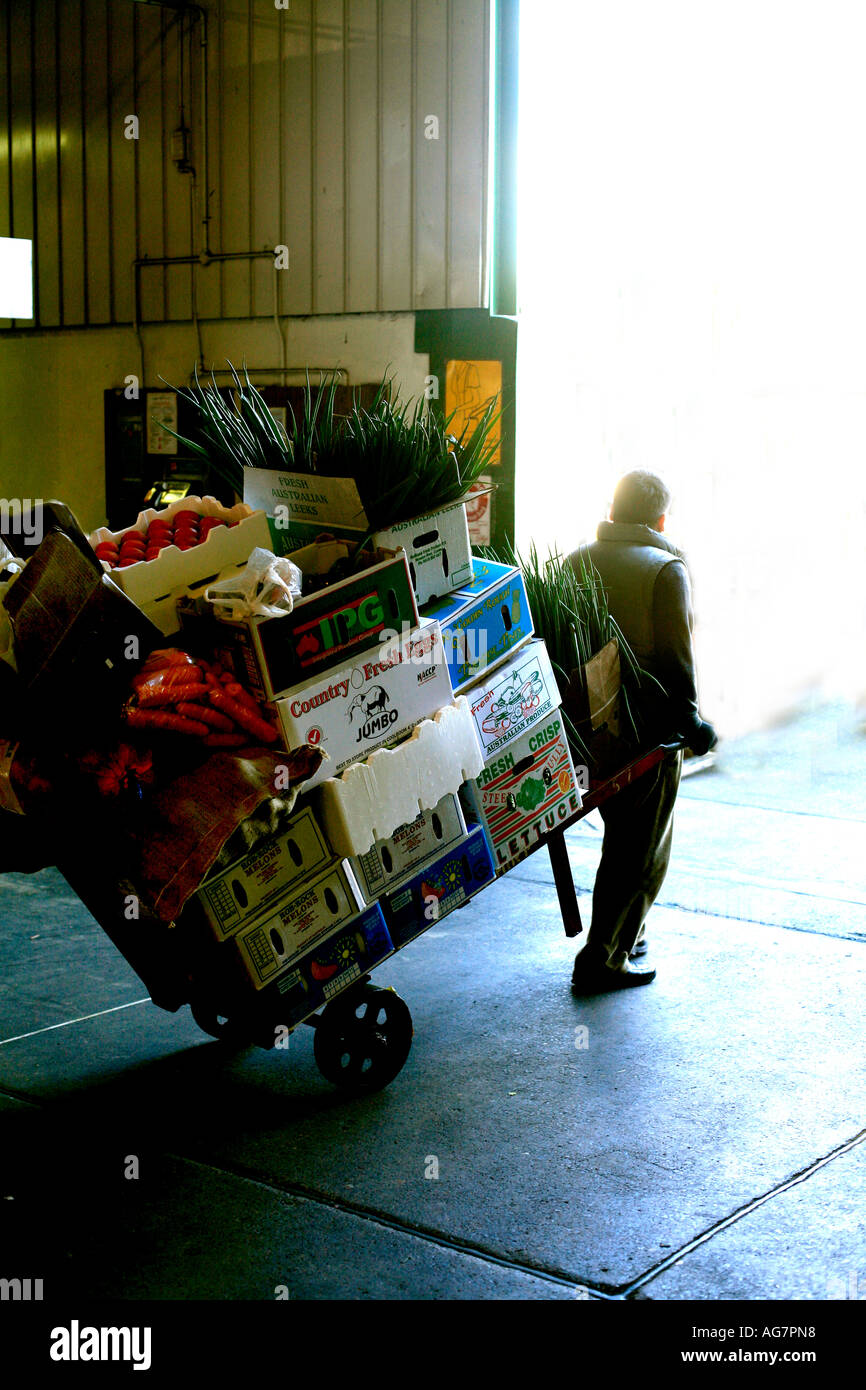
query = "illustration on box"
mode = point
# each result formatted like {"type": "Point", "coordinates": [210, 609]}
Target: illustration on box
{"type": "Point", "coordinates": [514, 705]}
{"type": "Point", "coordinates": [331, 967]}
{"type": "Point", "coordinates": [510, 699]}
{"type": "Point", "coordinates": [440, 888]}
{"type": "Point", "coordinates": [526, 791]}
{"type": "Point", "coordinates": [355, 709]}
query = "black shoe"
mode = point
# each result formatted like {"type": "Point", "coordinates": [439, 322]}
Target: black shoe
{"type": "Point", "coordinates": [639, 949]}
{"type": "Point", "coordinates": [601, 979]}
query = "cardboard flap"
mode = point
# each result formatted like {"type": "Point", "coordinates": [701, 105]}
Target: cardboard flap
{"type": "Point", "coordinates": [71, 628]}
{"type": "Point", "coordinates": [23, 529]}
{"type": "Point", "coordinates": [603, 681]}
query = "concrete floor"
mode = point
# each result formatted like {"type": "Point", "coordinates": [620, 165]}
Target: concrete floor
{"type": "Point", "coordinates": [699, 1139]}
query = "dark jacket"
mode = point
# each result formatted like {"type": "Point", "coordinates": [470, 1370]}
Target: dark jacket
{"type": "Point", "coordinates": [646, 580]}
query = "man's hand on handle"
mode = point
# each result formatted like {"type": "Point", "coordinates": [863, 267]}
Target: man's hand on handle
{"type": "Point", "coordinates": [702, 738]}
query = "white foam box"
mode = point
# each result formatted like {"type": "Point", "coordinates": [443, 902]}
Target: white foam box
{"type": "Point", "coordinates": [525, 791]}
{"type": "Point", "coordinates": [374, 700]}
{"type": "Point", "coordinates": [239, 893]}
{"type": "Point", "coordinates": [508, 700]}
{"type": "Point", "coordinates": [437, 548]}
{"type": "Point", "coordinates": [372, 798]}
{"type": "Point", "coordinates": [155, 585]}
{"type": "Point", "coordinates": [289, 929]}
{"type": "Point", "coordinates": [390, 862]}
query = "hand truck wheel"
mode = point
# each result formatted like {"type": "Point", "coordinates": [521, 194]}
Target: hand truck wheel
{"type": "Point", "coordinates": [363, 1038]}
{"type": "Point", "coordinates": [211, 1021]}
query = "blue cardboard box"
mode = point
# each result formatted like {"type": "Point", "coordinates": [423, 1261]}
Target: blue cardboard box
{"type": "Point", "coordinates": [330, 967]}
{"type": "Point", "coordinates": [483, 622]}
{"type": "Point", "coordinates": [445, 884]}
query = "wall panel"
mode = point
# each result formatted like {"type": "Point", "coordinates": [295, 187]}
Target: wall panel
{"type": "Point", "coordinates": [71, 161]}
{"type": "Point", "coordinates": [316, 125]}
{"type": "Point", "coordinates": [431, 138]}
{"type": "Point", "coordinates": [362, 157]}
{"type": "Point", "coordinates": [297, 155]}
{"type": "Point", "coordinates": [94, 118]}
{"type": "Point", "coordinates": [396, 232]}
{"type": "Point", "coordinates": [467, 163]}
{"type": "Point", "coordinates": [122, 240]}
{"type": "Point", "coordinates": [266, 228]}
{"type": "Point", "coordinates": [236, 156]}
{"type": "Point", "coordinates": [175, 185]}
{"type": "Point", "coordinates": [153, 83]}
{"type": "Point", "coordinates": [5, 138]}
{"type": "Point", "coordinates": [329, 153]}
{"type": "Point", "coordinates": [46, 140]}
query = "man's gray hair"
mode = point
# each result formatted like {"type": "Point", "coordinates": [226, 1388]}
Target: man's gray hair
{"type": "Point", "coordinates": [641, 498]}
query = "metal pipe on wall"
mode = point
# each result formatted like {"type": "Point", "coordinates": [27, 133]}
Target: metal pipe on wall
{"type": "Point", "coordinates": [201, 259]}
{"type": "Point", "coordinates": [180, 7]}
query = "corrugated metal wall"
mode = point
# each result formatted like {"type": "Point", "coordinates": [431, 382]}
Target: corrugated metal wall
{"type": "Point", "coordinates": [317, 140]}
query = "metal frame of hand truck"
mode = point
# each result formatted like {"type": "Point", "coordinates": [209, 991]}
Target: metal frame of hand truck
{"type": "Point", "coordinates": [596, 796]}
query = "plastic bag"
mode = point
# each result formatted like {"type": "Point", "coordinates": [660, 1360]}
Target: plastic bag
{"type": "Point", "coordinates": [266, 587]}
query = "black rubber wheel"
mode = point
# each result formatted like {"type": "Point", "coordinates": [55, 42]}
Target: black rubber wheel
{"type": "Point", "coordinates": [218, 1026]}
{"type": "Point", "coordinates": [363, 1039]}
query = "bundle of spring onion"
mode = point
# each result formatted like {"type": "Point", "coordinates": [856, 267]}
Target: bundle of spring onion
{"type": "Point", "coordinates": [404, 461]}
{"type": "Point", "coordinates": [571, 614]}
{"type": "Point", "coordinates": [232, 439]}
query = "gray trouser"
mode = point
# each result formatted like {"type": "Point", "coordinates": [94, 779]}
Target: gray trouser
{"type": "Point", "coordinates": [638, 832]}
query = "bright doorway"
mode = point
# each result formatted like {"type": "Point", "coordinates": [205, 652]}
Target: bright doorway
{"type": "Point", "coordinates": [692, 292]}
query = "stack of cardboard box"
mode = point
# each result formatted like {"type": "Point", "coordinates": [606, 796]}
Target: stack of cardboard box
{"type": "Point", "coordinates": [417, 674]}
{"type": "Point", "coordinates": [382, 846]}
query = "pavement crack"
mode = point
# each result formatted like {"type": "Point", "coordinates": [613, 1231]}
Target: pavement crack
{"type": "Point", "coordinates": [745, 1210]}
{"type": "Point", "coordinates": [550, 1273]}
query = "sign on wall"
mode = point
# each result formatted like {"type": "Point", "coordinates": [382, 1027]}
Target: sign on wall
{"type": "Point", "coordinates": [469, 389]}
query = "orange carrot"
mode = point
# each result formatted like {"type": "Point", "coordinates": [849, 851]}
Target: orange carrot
{"type": "Point", "coordinates": [219, 722]}
{"type": "Point", "coordinates": [170, 675]}
{"type": "Point", "coordinates": [253, 723]}
{"type": "Point", "coordinates": [171, 694]}
{"type": "Point", "coordinates": [164, 720]}
{"type": "Point", "coordinates": [167, 656]}
{"type": "Point", "coordinates": [243, 697]}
